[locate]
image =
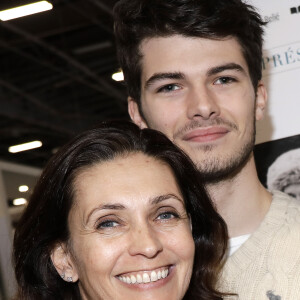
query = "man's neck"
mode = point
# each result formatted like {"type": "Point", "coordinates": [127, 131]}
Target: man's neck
{"type": "Point", "coordinates": [242, 201]}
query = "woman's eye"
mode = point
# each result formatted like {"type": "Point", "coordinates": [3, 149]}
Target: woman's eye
{"type": "Point", "coordinates": [107, 224]}
{"type": "Point", "coordinates": [224, 80]}
{"type": "Point", "coordinates": [168, 88]}
{"type": "Point", "coordinates": [167, 216]}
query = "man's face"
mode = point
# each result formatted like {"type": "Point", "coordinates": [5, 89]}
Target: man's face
{"type": "Point", "coordinates": [199, 93]}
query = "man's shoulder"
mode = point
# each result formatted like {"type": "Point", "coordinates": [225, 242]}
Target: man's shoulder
{"type": "Point", "coordinates": [288, 206]}
{"type": "Point", "coordinates": [279, 229]}
{"type": "Point", "coordinates": [267, 265]}
{"type": "Point", "coordinates": [278, 195]}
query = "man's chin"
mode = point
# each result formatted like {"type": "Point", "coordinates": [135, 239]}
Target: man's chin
{"type": "Point", "coordinates": [214, 170]}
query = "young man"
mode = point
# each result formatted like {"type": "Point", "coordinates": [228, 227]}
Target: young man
{"type": "Point", "coordinates": [193, 71]}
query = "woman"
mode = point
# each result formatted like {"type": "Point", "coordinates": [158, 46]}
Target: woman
{"type": "Point", "coordinates": [119, 213]}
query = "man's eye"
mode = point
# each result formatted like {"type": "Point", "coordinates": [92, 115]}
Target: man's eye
{"type": "Point", "coordinates": [224, 80]}
{"type": "Point", "coordinates": [168, 88]}
{"type": "Point", "coordinates": [167, 216]}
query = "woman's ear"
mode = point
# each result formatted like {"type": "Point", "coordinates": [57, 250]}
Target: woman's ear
{"type": "Point", "coordinates": [261, 101]}
{"type": "Point", "coordinates": [191, 225]}
{"type": "Point", "coordinates": [63, 262]}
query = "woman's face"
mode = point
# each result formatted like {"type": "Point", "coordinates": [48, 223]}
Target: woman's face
{"type": "Point", "coordinates": [130, 234]}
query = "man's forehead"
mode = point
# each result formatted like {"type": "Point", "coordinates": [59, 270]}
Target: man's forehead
{"type": "Point", "coordinates": [168, 54]}
{"type": "Point", "coordinates": [166, 39]}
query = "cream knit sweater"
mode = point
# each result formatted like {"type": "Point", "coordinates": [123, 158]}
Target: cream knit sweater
{"type": "Point", "coordinates": [267, 265]}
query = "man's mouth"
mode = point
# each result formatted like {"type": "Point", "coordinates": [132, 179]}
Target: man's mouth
{"type": "Point", "coordinates": [205, 134]}
{"type": "Point", "coordinates": [144, 277]}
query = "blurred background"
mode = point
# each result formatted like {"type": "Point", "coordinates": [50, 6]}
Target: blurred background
{"type": "Point", "coordinates": [56, 75]}
{"type": "Point", "coordinates": [55, 81]}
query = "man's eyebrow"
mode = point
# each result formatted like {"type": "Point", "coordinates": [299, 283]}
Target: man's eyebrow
{"type": "Point", "coordinates": [161, 76]}
{"type": "Point", "coordinates": [115, 206]}
{"type": "Point", "coordinates": [219, 69]}
{"type": "Point", "coordinates": [161, 198]}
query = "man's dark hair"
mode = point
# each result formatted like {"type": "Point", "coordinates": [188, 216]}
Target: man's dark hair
{"type": "Point", "coordinates": [136, 20]}
{"type": "Point", "coordinates": [45, 220]}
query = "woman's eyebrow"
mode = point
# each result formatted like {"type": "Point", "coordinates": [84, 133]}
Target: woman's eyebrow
{"type": "Point", "coordinates": [161, 76]}
{"type": "Point", "coordinates": [118, 206]}
{"type": "Point", "coordinates": [162, 198]}
{"type": "Point", "coordinates": [114, 206]}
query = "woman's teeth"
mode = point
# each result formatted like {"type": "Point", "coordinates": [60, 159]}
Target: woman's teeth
{"type": "Point", "coordinates": [145, 277]}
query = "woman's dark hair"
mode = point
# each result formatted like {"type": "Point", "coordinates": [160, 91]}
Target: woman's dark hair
{"type": "Point", "coordinates": [45, 220]}
{"type": "Point", "coordinates": [137, 20]}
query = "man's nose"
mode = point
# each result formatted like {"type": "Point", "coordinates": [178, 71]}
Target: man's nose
{"type": "Point", "coordinates": [202, 103]}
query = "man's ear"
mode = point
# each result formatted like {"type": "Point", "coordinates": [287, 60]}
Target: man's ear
{"type": "Point", "coordinates": [261, 101]}
{"type": "Point", "coordinates": [63, 263]}
{"type": "Point", "coordinates": [134, 113]}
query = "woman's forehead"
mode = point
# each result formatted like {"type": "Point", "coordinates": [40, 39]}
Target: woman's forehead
{"type": "Point", "coordinates": [129, 181]}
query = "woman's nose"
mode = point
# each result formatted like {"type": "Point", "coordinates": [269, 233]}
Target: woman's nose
{"type": "Point", "coordinates": [145, 241]}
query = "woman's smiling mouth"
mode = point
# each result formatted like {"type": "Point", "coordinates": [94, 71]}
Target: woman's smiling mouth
{"type": "Point", "coordinates": [144, 277]}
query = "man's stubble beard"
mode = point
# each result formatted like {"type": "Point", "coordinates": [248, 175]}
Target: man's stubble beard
{"type": "Point", "coordinates": [215, 170]}
{"type": "Point", "coordinates": [218, 168]}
